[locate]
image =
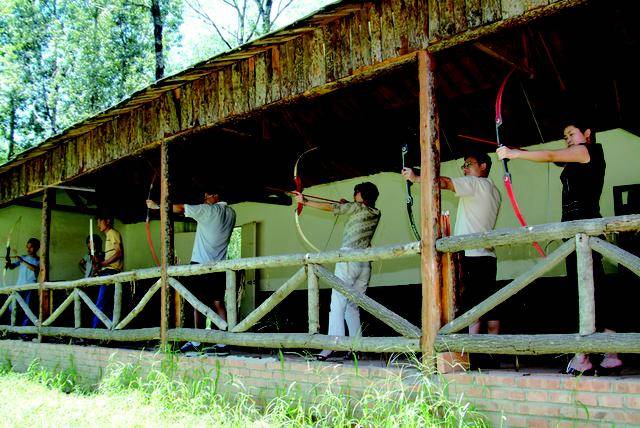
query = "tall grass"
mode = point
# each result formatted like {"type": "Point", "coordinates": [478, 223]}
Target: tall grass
{"type": "Point", "coordinates": [199, 398]}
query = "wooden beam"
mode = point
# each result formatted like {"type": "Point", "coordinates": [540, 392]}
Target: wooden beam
{"type": "Point", "coordinates": [275, 298]}
{"type": "Point", "coordinates": [44, 297]}
{"type": "Point", "coordinates": [430, 207]}
{"type": "Point", "coordinates": [166, 234]}
{"type": "Point", "coordinates": [313, 300]}
{"type": "Point", "coordinates": [616, 254]}
{"type": "Point", "coordinates": [101, 315]}
{"type": "Point", "coordinates": [368, 254]}
{"type": "Point", "coordinates": [586, 290]}
{"type": "Point", "coordinates": [197, 304]}
{"type": "Point", "coordinates": [541, 232]}
{"type": "Point", "coordinates": [136, 335]}
{"type": "Point", "coordinates": [298, 340]}
{"type": "Point", "coordinates": [385, 315]}
{"type": "Point", "coordinates": [524, 279]}
{"type": "Point", "coordinates": [231, 299]}
{"type": "Point", "coordinates": [539, 344]}
{"type": "Point", "coordinates": [141, 304]}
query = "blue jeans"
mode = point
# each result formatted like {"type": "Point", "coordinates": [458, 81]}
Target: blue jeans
{"type": "Point", "coordinates": [105, 294]}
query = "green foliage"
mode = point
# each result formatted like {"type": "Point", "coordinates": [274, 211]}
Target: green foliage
{"type": "Point", "coordinates": [172, 396]}
{"type": "Point", "coordinates": [64, 60]}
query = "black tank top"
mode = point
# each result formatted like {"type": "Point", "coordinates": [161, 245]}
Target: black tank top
{"type": "Point", "coordinates": [582, 186]}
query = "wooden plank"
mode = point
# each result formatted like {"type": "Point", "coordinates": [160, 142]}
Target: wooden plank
{"type": "Point", "coordinates": [313, 300]}
{"type": "Point", "coordinates": [491, 11]}
{"type": "Point", "coordinates": [141, 304]}
{"type": "Point", "coordinates": [460, 15]}
{"type": "Point", "coordinates": [299, 69]}
{"type": "Point", "coordinates": [435, 29]}
{"type": "Point", "coordinates": [64, 305]}
{"type": "Point", "coordinates": [511, 8]}
{"type": "Point", "coordinates": [231, 299]}
{"type": "Point", "coordinates": [368, 254]}
{"type": "Point", "coordinates": [77, 310]}
{"type": "Point", "coordinates": [430, 207]}
{"type": "Point", "coordinates": [540, 344]}
{"type": "Point", "coordinates": [520, 282]}
{"type": "Point", "coordinates": [101, 316]}
{"type": "Point", "coordinates": [137, 335]}
{"type": "Point", "coordinates": [317, 71]}
{"type": "Point", "coordinates": [197, 304]}
{"type": "Point", "coordinates": [385, 315]}
{"type": "Point", "coordinates": [261, 81]}
{"type": "Point", "coordinates": [473, 10]}
{"type": "Point", "coordinates": [375, 30]}
{"type": "Point", "coordinates": [117, 304]}
{"type": "Point", "coordinates": [586, 290]}
{"type": "Point", "coordinates": [275, 298]}
{"type": "Point", "coordinates": [6, 304]}
{"type": "Point", "coordinates": [613, 253]}
{"type": "Point", "coordinates": [27, 311]}
{"type": "Point", "coordinates": [329, 37]}
{"type": "Point", "coordinates": [297, 340]}
{"type": "Point", "coordinates": [387, 26]}
{"type": "Point", "coordinates": [542, 232]}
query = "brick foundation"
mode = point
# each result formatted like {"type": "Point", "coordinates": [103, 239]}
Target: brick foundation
{"type": "Point", "coordinates": [507, 398]}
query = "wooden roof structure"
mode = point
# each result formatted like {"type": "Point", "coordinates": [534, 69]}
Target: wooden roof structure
{"type": "Point", "coordinates": [344, 79]}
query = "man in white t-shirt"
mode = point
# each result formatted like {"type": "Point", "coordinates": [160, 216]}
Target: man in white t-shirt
{"type": "Point", "coordinates": [479, 202]}
{"type": "Point", "coordinates": [216, 221]}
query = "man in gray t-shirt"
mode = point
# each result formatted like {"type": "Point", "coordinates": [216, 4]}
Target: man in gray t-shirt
{"type": "Point", "coordinates": [216, 221]}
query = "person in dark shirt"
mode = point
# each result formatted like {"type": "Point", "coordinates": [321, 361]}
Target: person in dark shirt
{"type": "Point", "coordinates": [582, 181]}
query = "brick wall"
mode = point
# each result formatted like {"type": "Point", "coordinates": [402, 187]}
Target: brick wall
{"type": "Point", "coordinates": [507, 398]}
{"type": "Point", "coordinates": [550, 400]}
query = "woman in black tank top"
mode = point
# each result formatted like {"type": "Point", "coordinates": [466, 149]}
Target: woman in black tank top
{"type": "Point", "coordinates": [582, 180]}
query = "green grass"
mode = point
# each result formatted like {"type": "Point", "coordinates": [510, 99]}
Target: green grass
{"type": "Point", "coordinates": [128, 397]}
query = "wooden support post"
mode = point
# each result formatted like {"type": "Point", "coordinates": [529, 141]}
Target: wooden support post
{"type": "Point", "coordinates": [14, 307]}
{"type": "Point", "coordinates": [231, 299]}
{"type": "Point", "coordinates": [586, 297]}
{"type": "Point", "coordinates": [77, 310]}
{"type": "Point", "coordinates": [117, 304]}
{"type": "Point", "coordinates": [48, 200]}
{"type": "Point", "coordinates": [166, 233]}
{"type": "Point", "coordinates": [430, 207]}
{"type": "Point", "coordinates": [313, 300]}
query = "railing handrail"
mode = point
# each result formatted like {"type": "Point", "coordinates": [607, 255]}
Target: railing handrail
{"type": "Point", "coordinates": [285, 260]}
{"type": "Point", "coordinates": [541, 232]}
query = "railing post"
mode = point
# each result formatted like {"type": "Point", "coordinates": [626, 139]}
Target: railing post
{"type": "Point", "coordinates": [313, 300]}
{"type": "Point", "coordinates": [77, 309]}
{"type": "Point", "coordinates": [430, 207]}
{"type": "Point", "coordinates": [13, 308]}
{"type": "Point", "coordinates": [117, 303]}
{"type": "Point", "coordinates": [586, 299]}
{"type": "Point", "coordinates": [231, 300]}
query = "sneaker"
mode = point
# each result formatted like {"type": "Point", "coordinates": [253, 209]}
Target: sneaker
{"type": "Point", "coordinates": [218, 349]}
{"type": "Point", "coordinates": [190, 347]}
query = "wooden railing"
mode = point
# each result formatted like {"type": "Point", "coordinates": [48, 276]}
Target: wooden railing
{"type": "Point", "coordinates": [232, 331]}
{"type": "Point", "coordinates": [581, 237]}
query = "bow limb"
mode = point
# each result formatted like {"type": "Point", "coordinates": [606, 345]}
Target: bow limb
{"type": "Point", "coordinates": [8, 250]}
{"type": "Point", "coordinates": [299, 188]}
{"type": "Point", "coordinates": [409, 202]}
{"type": "Point", "coordinates": [147, 225]}
{"type": "Point", "coordinates": [507, 175]}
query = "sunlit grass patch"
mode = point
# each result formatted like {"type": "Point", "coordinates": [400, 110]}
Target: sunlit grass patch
{"type": "Point", "coordinates": [130, 395]}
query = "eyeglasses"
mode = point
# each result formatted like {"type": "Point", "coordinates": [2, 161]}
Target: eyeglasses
{"type": "Point", "coordinates": [468, 164]}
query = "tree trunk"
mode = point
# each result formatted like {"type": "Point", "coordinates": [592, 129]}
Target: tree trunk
{"type": "Point", "coordinates": [156, 16]}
